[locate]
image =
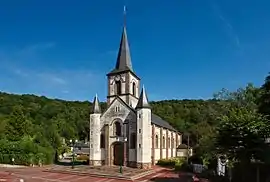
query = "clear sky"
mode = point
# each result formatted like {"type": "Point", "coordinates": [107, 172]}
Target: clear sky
{"type": "Point", "coordinates": [180, 48]}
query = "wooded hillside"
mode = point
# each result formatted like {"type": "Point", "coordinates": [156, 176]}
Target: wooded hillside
{"type": "Point", "coordinates": [44, 122]}
{"type": "Point", "coordinates": [53, 118]}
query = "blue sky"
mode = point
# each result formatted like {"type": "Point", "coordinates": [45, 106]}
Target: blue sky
{"type": "Point", "coordinates": [180, 48]}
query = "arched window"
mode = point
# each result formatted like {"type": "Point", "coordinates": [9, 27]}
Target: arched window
{"type": "Point", "coordinates": [134, 88]}
{"type": "Point", "coordinates": [117, 109]}
{"type": "Point", "coordinates": [163, 142]}
{"type": "Point", "coordinates": [169, 142]}
{"type": "Point", "coordinates": [156, 141]}
{"type": "Point", "coordinates": [102, 141]}
{"type": "Point", "coordinates": [173, 143]}
{"type": "Point", "coordinates": [118, 87]}
{"type": "Point", "coordinates": [117, 128]}
{"type": "Point", "coordinates": [133, 140]}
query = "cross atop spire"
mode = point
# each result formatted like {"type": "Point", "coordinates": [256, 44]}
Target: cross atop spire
{"type": "Point", "coordinates": [125, 16]}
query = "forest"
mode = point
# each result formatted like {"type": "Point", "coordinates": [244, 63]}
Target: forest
{"type": "Point", "coordinates": [235, 123]}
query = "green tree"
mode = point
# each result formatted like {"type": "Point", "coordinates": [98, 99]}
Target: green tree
{"type": "Point", "coordinates": [18, 125]}
{"type": "Point", "coordinates": [243, 97]}
{"type": "Point", "coordinates": [241, 135]}
{"type": "Point", "coordinates": [264, 99]}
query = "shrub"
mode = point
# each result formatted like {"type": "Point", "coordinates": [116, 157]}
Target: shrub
{"type": "Point", "coordinates": [166, 162]}
{"type": "Point", "coordinates": [179, 163]}
{"type": "Point", "coordinates": [172, 162]}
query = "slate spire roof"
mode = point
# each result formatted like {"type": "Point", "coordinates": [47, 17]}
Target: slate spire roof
{"type": "Point", "coordinates": [123, 62]}
{"type": "Point", "coordinates": [143, 100]}
{"type": "Point", "coordinates": [123, 57]}
{"type": "Point", "coordinates": [96, 106]}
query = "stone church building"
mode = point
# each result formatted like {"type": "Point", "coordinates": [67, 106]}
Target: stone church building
{"type": "Point", "coordinates": [128, 133]}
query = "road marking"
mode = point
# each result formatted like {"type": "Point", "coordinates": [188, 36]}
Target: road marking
{"type": "Point", "coordinates": [46, 179]}
{"type": "Point", "coordinates": [66, 177]}
{"type": "Point", "coordinates": [109, 180]}
{"type": "Point", "coordinates": [102, 180]}
{"type": "Point", "coordinates": [45, 175]}
{"type": "Point", "coordinates": [77, 179]}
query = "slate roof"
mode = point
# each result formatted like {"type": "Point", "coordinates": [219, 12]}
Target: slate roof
{"type": "Point", "coordinates": [182, 146]}
{"type": "Point", "coordinates": [143, 100]}
{"type": "Point", "coordinates": [123, 62]}
{"type": "Point", "coordinates": [160, 122]}
{"type": "Point", "coordinates": [96, 106]}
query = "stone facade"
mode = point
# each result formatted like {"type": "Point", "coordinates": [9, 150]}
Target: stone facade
{"type": "Point", "coordinates": [127, 132]}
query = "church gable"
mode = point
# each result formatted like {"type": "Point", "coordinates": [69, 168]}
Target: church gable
{"type": "Point", "coordinates": [118, 109]}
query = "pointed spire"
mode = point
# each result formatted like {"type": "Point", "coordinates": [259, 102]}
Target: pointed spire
{"type": "Point", "coordinates": [96, 107]}
{"type": "Point", "coordinates": [123, 62]}
{"type": "Point", "coordinates": [123, 59]}
{"type": "Point", "coordinates": [143, 100]}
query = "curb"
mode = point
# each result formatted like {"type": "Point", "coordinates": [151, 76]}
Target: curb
{"type": "Point", "coordinates": [11, 166]}
{"type": "Point", "coordinates": [142, 174]}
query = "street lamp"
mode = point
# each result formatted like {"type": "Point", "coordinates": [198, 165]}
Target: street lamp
{"type": "Point", "coordinates": [13, 155]}
{"type": "Point", "coordinates": [188, 147]}
{"type": "Point", "coordinates": [121, 167]}
{"type": "Point", "coordinates": [13, 160]}
{"type": "Point", "coordinates": [73, 142]}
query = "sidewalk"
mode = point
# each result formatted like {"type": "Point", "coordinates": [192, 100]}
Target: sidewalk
{"type": "Point", "coordinates": [11, 166]}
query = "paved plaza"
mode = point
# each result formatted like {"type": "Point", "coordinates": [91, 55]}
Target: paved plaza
{"type": "Point", "coordinates": [45, 175]}
{"type": "Point", "coordinates": [104, 171]}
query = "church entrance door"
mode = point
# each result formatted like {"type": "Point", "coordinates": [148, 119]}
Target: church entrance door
{"type": "Point", "coordinates": [118, 153]}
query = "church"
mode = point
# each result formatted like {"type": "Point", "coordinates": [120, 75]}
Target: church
{"type": "Point", "coordinates": [127, 133]}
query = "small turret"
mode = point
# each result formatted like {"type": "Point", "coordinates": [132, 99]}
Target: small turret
{"type": "Point", "coordinates": [143, 100]}
{"type": "Point", "coordinates": [144, 141]}
{"type": "Point", "coordinates": [94, 135]}
{"type": "Point", "coordinates": [96, 106]}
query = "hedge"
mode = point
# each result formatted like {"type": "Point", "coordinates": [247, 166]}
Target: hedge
{"type": "Point", "coordinates": [171, 162]}
{"type": "Point", "coordinates": [178, 163]}
{"type": "Point", "coordinates": [24, 152]}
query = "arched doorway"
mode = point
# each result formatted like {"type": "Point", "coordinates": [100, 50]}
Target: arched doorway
{"type": "Point", "coordinates": [117, 153]}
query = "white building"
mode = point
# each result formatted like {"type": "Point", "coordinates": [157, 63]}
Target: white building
{"type": "Point", "coordinates": [128, 133]}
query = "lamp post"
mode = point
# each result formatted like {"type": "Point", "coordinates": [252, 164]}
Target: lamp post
{"type": "Point", "coordinates": [13, 155]}
{"type": "Point", "coordinates": [13, 160]}
{"type": "Point", "coordinates": [121, 167]}
{"type": "Point", "coordinates": [73, 142]}
{"type": "Point", "coordinates": [187, 147]}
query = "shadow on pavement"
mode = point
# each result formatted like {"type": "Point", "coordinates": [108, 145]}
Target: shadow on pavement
{"type": "Point", "coordinates": [181, 178]}
{"type": "Point", "coordinates": [76, 163]}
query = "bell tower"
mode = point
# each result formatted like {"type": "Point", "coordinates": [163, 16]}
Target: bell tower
{"type": "Point", "coordinates": [122, 80]}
